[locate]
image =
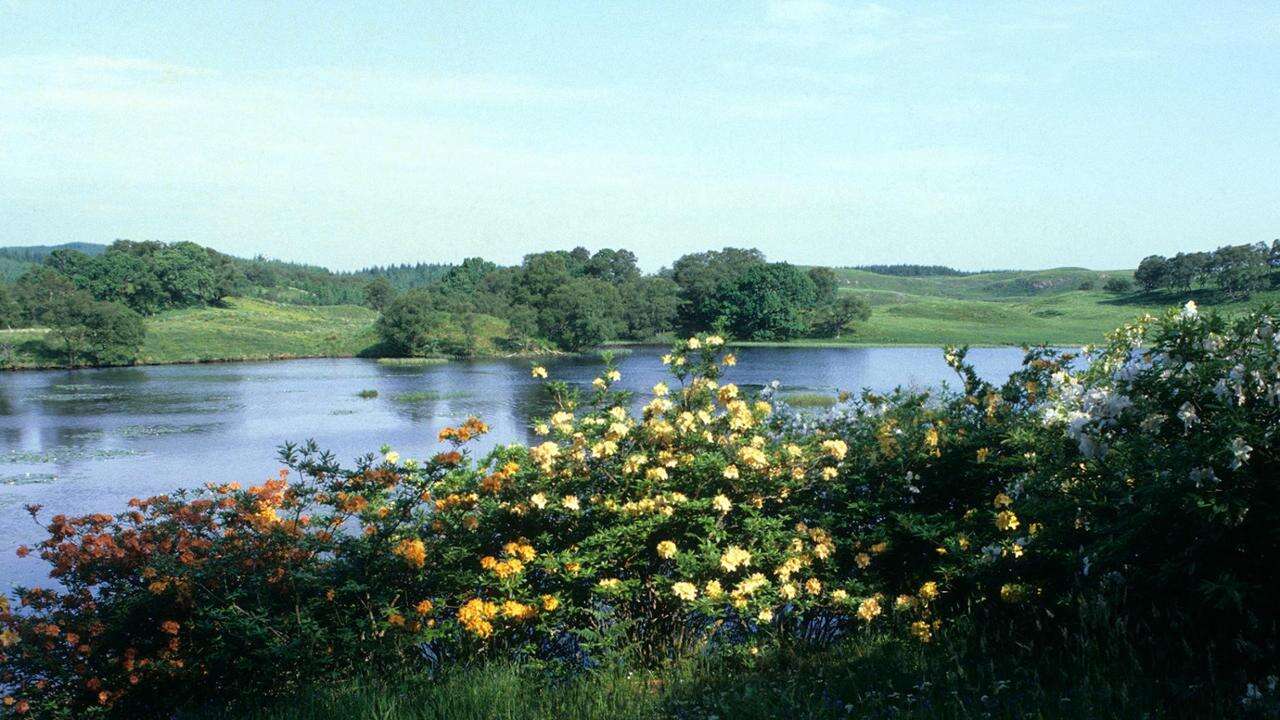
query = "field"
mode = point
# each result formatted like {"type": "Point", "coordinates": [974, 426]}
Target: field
{"type": "Point", "coordinates": [1007, 308]}
{"type": "Point", "coordinates": [1097, 674]}
{"type": "Point", "coordinates": [997, 308]}
{"type": "Point", "coordinates": [243, 330]}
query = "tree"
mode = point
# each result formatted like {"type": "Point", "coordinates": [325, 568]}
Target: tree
{"type": "Point", "coordinates": [10, 312]}
{"type": "Point", "coordinates": [768, 302]}
{"type": "Point", "coordinates": [842, 316]}
{"type": "Point", "coordinates": [414, 326]}
{"type": "Point", "coordinates": [36, 292]}
{"type": "Point", "coordinates": [1184, 269]}
{"type": "Point", "coordinates": [1152, 272]}
{"type": "Point", "coordinates": [582, 313]}
{"type": "Point", "coordinates": [113, 334]}
{"type": "Point", "coordinates": [1117, 284]}
{"type": "Point", "coordinates": [703, 277]}
{"type": "Point", "coordinates": [615, 266]}
{"type": "Point", "coordinates": [1241, 269]}
{"type": "Point", "coordinates": [378, 294]}
{"type": "Point", "coordinates": [651, 306]}
{"type": "Point", "coordinates": [825, 283]}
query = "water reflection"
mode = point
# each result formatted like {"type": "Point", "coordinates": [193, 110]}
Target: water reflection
{"type": "Point", "coordinates": [88, 440]}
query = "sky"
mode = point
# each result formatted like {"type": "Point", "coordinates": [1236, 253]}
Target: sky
{"type": "Point", "coordinates": [971, 134]}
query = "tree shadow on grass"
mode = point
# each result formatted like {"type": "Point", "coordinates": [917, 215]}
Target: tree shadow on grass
{"type": "Point", "coordinates": [1201, 296]}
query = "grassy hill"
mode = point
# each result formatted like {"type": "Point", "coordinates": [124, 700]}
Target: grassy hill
{"type": "Point", "coordinates": [251, 329]}
{"type": "Point", "coordinates": [1008, 307]}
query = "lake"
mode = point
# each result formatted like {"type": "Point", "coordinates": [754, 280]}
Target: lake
{"type": "Point", "coordinates": [88, 440]}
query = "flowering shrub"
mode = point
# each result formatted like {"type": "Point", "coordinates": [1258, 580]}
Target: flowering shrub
{"type": "Point", "coordinates": [1144, 472]}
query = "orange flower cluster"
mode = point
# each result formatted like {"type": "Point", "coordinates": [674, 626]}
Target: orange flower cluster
{"type": "Point", "coordinates": [472, 428]}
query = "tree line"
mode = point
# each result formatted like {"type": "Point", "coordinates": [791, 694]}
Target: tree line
{"type": "Point", "coordinates": [1236, 270]}
{"type": "Point", "coordinates": [577, 299]}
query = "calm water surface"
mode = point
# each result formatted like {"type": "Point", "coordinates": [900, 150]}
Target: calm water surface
{"type": "Point", "coordinates": [88, 440]}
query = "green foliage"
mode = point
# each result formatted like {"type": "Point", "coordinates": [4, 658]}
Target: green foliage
{"type": "Point", "coordinates": [10, 311]}
{"type": "Point", "coordinates": [768, 302]}
{"type": "Point", "coordinates": [582, 313]}
{"type": "Point", "coordinates": [842, 316]}
{"type": "Point", "coordinates": [1118, 284]}
{"type": "Point", "coordinates": [702, 278]}
{"type": "Point", "coordinates": [1238, 270]}
{"type": "Point", "coordinates": [149, 276]}
{"type": "Point", "coordinates": [414, 326]}
{"type": "Point", "coordinates": [92, 331]}
{"type": "Point", "coordinates": [378, 294]}
{"type": "Point", "coordinates": [904, 270]}
{"type": "Point", "coordinates": [1140, 481]}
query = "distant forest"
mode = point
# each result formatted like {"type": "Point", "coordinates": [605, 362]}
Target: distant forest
{"type": "Point", "coordinates": [567, 299]}
{"type": "Point", "coordinates": [913, 270]}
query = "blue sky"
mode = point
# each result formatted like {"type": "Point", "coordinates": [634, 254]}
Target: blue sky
{"type": "Point", "coordinates": [975, 134]}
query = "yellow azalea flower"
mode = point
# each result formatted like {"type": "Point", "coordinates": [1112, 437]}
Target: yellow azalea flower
{"type": "Point", "coordinates": [753, 457]}
{"type": "Point", "coordinates": [686, 591]}
{"type": "Point", "coordinates": [921, 631]}
{"type": "Point", "coordinates": [713, 589]}
{"type": "Point", "coordinates": [666, 359]}
{"type": "Point", "coordinates": [666, 549]}
{"type": "Point", "coordinates": [613, 376]}
{"type": "Point", "coordinates": [730, 360]}
{"type": "Point", "coordinates": [609, 583]}
{"type": "Point", "coordinates": [661, 390]}
{"type": "Point", "coordinates": [694, 343]}
{"type": "Point", "coordinates": [830, 473]}
{"type": "Point", "coordinates": [839, 595]}
{"type": "Point", "coordinates": [734, 557]}
{"type": "Point", "coordinates": [538, 372]}
{"type": "Point", "coordinates": [1006, 520]}
{"type": "Point", "coordinates": [413, 551]}
{"type": "Point", "coordinates": [836, 449]}
{"type": "Point", "coordinates": [656, 474]}
{"type": "Point", "coordinates": [869, 609]}
{"type": "Point", "coordinates": [599, 383]}
{"type": "Point", "coordinates": [813, 586]}
{"type": "Point", "coordinates": [1002, 501]}
{"type": "Point", "coordinates": [731, 472]}
{"type": "Point", "coordinates": [903, 602]}
{"type": "Point", "coordinates": [929, 591]}
{"type": "Point", "coordinates": [862, 559]}
{"type": "Point", "coordinates": [475, 615]}
{"type": "Point", "coordinates": [541, 429]}
{"type": "Point", "coordinates": [721, 504]}
{"type": "Point", "coordinates": [392, 457]}
{"type": "Point", "coordinates": [788, 591]}
{"type": "Point", "coordinates": [570, 502]}
{"type": "Point", "coordinates": [550, 603]}
{"type": "Point", "coordinates": [538, 500]}
{"type": "Point", "coordinates": [714, 341]}
{"type": "Point", "coordinates": [765, 615]}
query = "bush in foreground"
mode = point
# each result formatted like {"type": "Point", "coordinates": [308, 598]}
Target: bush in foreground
{"type": "Point", "coordinates": [711, 525]}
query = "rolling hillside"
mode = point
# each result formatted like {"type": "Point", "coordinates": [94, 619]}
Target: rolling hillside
{"type": "Point", "coordinates": [1008, 307]}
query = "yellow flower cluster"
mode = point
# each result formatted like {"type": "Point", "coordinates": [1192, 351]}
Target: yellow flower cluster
{"type": "Point", "coordinates": [412, 550]}
{"type": "Point", "coordinates": [475, 616]}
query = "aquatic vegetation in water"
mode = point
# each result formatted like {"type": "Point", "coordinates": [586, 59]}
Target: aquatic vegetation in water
{"type": "Point", "coordinates": [412, 361]}
{"type": "Point", "coordinates": [420, 396]}
{"type": "Point", "coordinates": [65, 454]}
{"type": "Point", "coordinates": [28, 479]}
{"type": "Point", "coordinates": [367, 394]}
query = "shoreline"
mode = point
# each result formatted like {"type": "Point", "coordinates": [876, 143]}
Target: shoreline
{"type": "Point", "coordinates": [619, 345]}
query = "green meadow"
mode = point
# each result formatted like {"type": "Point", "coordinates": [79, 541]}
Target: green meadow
{"type": "Point", "coordinates": [997, 308]}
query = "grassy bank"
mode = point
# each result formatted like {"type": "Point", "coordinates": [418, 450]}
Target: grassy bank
{"type": "Point", "coordinates": [1096, 673]}
{"type": "Point", "coordinates": [244, 329]}
{"type": "Point", "coordinates": [1008, 308]}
